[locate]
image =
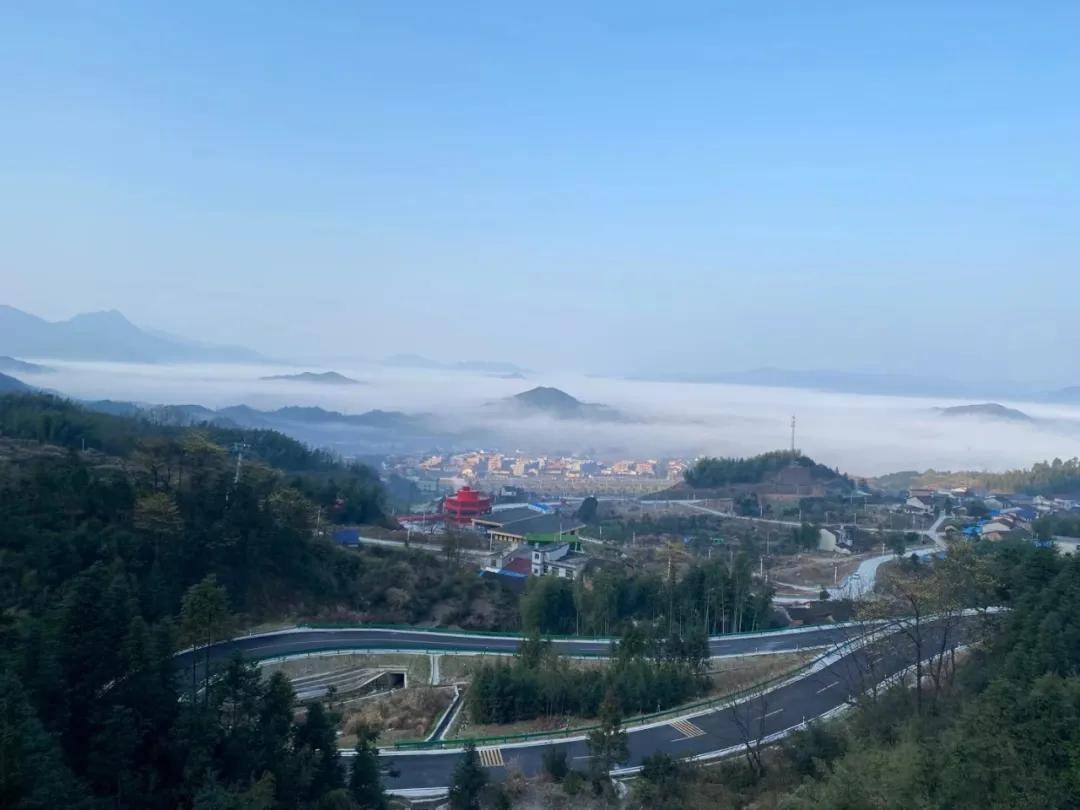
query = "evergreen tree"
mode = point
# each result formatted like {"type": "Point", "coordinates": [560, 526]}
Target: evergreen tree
{"type": "Point", "coordinates": [32, 771]}
{"type": "Point", "coordinates": [469, 781]}
{"type": "Point", "coordinates": [608, 745]}
{"type": "Point", "coordinates": [202, 618]}
{"type": "Point", "coordinates": [316, 741]}
{"type": "Point", "coordinates": [365, 776]}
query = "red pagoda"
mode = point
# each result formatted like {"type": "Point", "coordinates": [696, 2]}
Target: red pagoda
{"type": "Point", "coordinates": [466, 504]}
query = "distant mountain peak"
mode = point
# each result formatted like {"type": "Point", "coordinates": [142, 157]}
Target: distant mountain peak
{"type": "Point", "coordinates": [107, 315]}
{"type": "Point", "coordinates": [546, 397]}
{"type": "Point", "coordinates": [556, 403]}
{"type": "Point", "coordinates": [104, 335]}
{"type": "Point", "coordinates": [986, 410]}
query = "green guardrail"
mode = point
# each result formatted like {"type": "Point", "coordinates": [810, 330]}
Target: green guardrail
{"type": "Point", "coordinates": [448, 631]}
{"type": "Point", "coordinates": [508, 634]}
{"type": "Point", "coordinates": [405, 647]}
{"type": "Point", "coordinates": [638, 720]}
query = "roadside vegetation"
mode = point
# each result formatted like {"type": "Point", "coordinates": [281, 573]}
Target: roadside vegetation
{"type": "Point", "coordinates": [997, 726]}
{"type": "Point", "coordinates": [696, 596]}
{"type": "Point", "coordinates": [647, 674]}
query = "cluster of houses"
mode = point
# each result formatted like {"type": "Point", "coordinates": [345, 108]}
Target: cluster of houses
{"type": "Point", "coordinates": [987, 516]}
{"type": "Point", "coordinates": [1014, 523]}
{"type": "Point", "coordinates": [537, 540]}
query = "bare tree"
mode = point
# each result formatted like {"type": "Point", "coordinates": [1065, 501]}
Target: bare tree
{"type": "Point", "coordinates": [860, 665]}
{"type": "Point", "coordinates": [749, 718]}
{"type": "Point", "coordinates": [931, 602]}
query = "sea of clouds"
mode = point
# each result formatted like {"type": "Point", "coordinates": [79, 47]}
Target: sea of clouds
{"type": "Point", "coordinates": [860, 434]}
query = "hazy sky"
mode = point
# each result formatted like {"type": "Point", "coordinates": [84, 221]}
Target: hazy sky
{"type": "Point", "coordinates": [886, 186]}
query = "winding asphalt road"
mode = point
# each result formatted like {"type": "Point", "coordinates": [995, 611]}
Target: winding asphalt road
{"type": "Point", "coordinates": [839, 681]}
{"type": "Point", "coordinates": [840, 676]}
{"type": "Point", "coordinates": [306, 640]}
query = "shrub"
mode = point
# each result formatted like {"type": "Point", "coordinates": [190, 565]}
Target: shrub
{"type": "Point", "coordinates": [573, 783]}
{"type": "Point", "coordinates": [555, 763]}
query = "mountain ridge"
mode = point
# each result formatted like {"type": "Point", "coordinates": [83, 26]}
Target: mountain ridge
{"type": "Point", "coordinates": [985, 410]}
{"type": "Point", "coordinates": [105, 335]}
{"type": "Point", "coordinates": [11, 385]}
{"type": "Point", "coordinates": [22, 367]}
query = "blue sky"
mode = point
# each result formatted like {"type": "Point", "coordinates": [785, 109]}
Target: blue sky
{"type": "Point", "coordinates": [593, 186]}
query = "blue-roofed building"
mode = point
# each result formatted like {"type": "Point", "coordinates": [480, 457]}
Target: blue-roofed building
{"type": "Point", "coordinates": [346, 537]}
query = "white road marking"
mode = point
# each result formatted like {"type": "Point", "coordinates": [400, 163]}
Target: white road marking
{"type": "Point", "coordinates": [688, 729]}
{"type": "Point", "coordinates": [830, 686]}
{"type": "Point", "coordinates": [770, 714]}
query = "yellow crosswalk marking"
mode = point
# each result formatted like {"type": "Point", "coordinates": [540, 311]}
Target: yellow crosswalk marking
{"type": "Point", "coordinates": [491, 757]}
{"type": "Point", "coordinates": [686, 728]}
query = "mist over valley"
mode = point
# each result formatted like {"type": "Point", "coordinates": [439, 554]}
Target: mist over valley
{"type": "Point", "coordinates": [408, 409]}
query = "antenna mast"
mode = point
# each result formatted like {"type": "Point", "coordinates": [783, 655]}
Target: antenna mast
{"type": "Point", "coordinates": [793, 434]}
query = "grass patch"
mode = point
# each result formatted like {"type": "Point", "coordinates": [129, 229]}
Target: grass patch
{"type": "Point", "coordinates": [731, 675]}
{"type": "Point", "coordinates": [407, 714]}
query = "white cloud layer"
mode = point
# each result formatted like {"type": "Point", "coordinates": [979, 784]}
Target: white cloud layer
{"type": "Point", "coordinates": [864, 435]}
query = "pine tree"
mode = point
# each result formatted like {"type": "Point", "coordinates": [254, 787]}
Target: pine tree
{"type": "Point", "coordinates": [365, 778]}
{"type": "Point", "coordinates": [608, 744]}
{"type": "Point", "coordinates": [469, 781]}
{"type": "Point", "coordinates": [317, 735]}
{"type": "Point", "coordinates": [32, 771]}
{"type": "Point", "coordinates": [202, 617]}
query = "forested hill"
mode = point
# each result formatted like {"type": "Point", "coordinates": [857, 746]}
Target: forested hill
{"type": "Point", "coordinates": [53, 420]}
{"type": "Point", "coordinates": [1057, 477]}
{"type": "Point", "coordinates": [166, 504]}
{"type": "Point", "coordinates": [719, 472]}
{"type": "Point", "coordinates": [113, 557]}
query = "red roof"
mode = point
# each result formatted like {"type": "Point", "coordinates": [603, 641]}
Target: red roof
{"type": "Point", "coordinates": [468, 495]}
{"type": "Point", "coordinates": [466, 502]}
{"type": "Point", "coordinates": [519, 565]}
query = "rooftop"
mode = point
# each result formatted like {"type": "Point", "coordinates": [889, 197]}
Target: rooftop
{"type": "Point", "coordinates": [502, 517]}
{"type": "Point", "coordinates": [541, 524]}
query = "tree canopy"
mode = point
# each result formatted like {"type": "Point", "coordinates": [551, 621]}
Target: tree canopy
{"type": "Point", "coordinates": [709, 472]}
